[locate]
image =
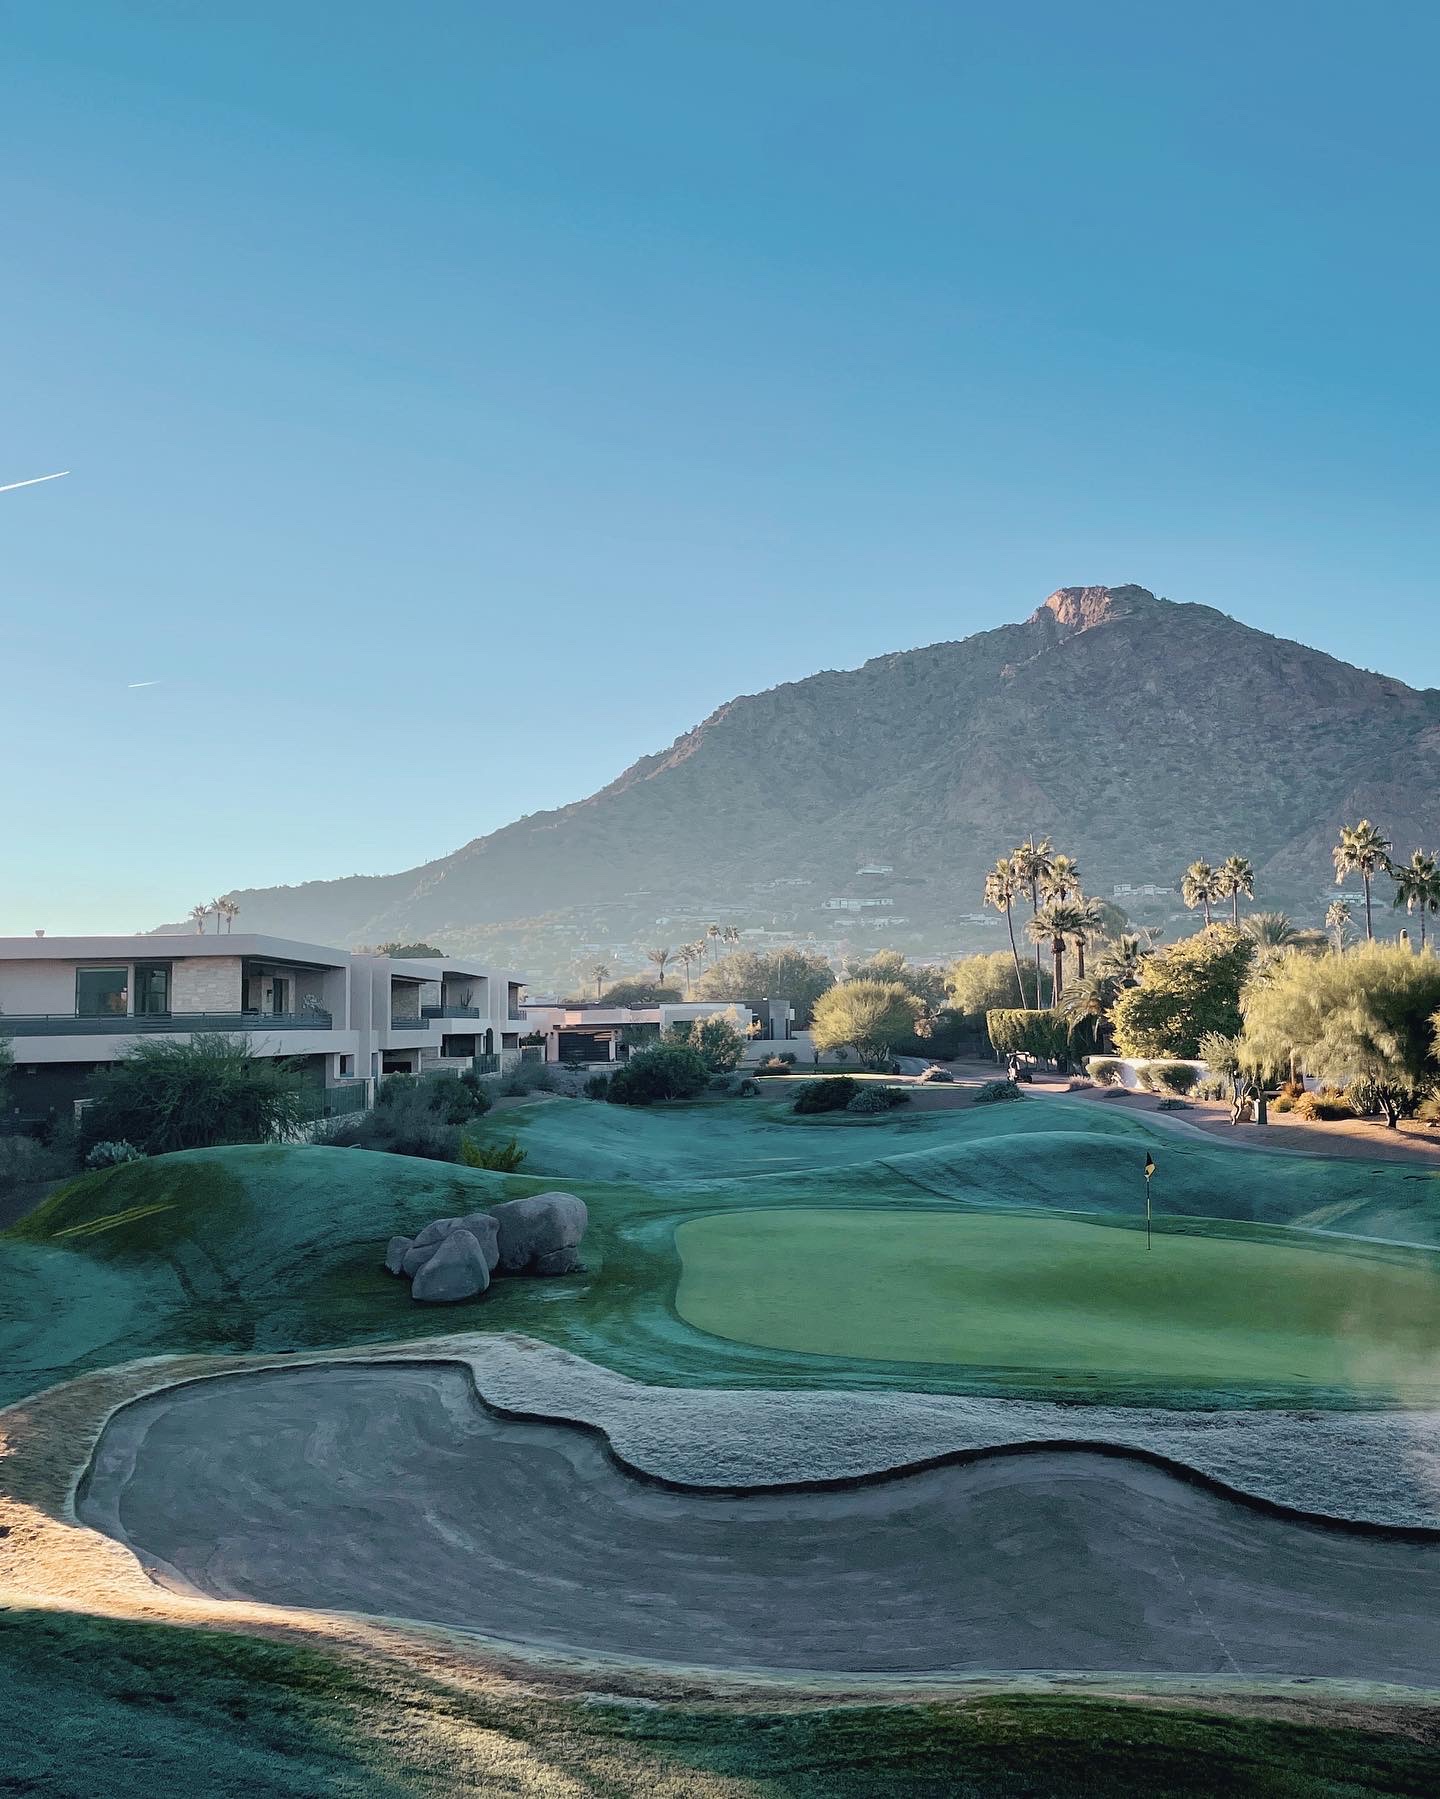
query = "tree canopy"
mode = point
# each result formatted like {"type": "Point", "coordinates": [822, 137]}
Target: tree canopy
{"type": "Point", "coordinates": [1185, 990]}
{"type": "Point", "coordinates": [926, 983]}
{"type": "Point", "coordinates": [1366, 1016]}
{"type": "Point", "coordinates": [166, 1094]}
{"type": "Point", "coordinates": [788, 974]}
{"type": "Point", "coordinates": [983, 983]}
{"type": "Point", "coordinates": [872, 1015]}
{"type": "Point", "coordinates": [639, 992]}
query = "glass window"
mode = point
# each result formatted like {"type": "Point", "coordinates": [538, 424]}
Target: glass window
{"type": "Point", "coordinates": [102, 992]}
{"type": "Point", "coordinates": [152, 988]}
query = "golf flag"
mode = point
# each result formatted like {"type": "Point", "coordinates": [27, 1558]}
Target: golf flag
{"type": "Point", "coordinates": [1149, 1172]}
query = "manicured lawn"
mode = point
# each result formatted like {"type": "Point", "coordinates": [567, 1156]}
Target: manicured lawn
{"type": "Point", "coordinates": [90, 1706]}
{"type": "Point", "coordinates": [995, 1289]}
{"type": "Point", "coordinates": [276, 1248]}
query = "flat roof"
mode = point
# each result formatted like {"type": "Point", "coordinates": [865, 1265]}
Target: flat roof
{"type": "Point", "coordinates": [166, 946]}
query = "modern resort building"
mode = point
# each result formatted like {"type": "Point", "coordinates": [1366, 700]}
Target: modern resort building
{"type": "Point", "coordinates": [345, 1018]}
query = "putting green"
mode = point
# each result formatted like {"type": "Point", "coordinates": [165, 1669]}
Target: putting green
{"type": "Point", "coordinates": [1046, 1294]}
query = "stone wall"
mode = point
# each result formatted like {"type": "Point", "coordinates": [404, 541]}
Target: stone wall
{"type": "Point", "coordinates": [205, 984]}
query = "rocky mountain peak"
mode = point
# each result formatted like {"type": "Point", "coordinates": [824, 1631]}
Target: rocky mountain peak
{"type": "Point", "coordinates": [1070, 610]}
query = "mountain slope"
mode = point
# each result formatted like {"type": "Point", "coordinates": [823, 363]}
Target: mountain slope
{"type": "Point", "coordinates": [1137, 732]}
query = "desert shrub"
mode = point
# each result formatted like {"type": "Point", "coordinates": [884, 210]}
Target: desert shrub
{"type": "Point", "coordinates": [1428, 1111]}
{"type": "Point", "coordinates": [111, 1154]}
{"type": "Point", "coordinates": [528, 1076]}
{"type": "Point", "coordinates": [929, 1075]}
{"type": "Point", "coordinates": [745, 1088]}
{"type": "Point", "coordinates": [1105, 1071]}
{"type": "Point", "coordinates": [502, 1158]}
{"type": "Point", "coordinates": [996, 1090]}
{"type": "Point", "coordinates": [1291, 1089]}
{"type": "Point", "coordinates": [24, 1161]}
{"type": "Point", "coordinates": [774, 1065]}
{"type": "Point", "coordinates": [1172, 1103]}
{"type": "Point", "coordinates": [830, 1094]}
{"type": "Point", "coordinates": [1177, 1078]}
{"type": "Point", "coordinates": [877, 1099]}
{"type": "Point", "coordinates": [1212, 1088]}
{"type": "Point", "coordinates": [1324, 1107]}
{"type": "Point", "coordinates": [1145, 1077]}
{"type": "Point", "coordinates": [1283, 1102]}
{"type": "Point", "coordinates": [668, 1071]}
{"type": "Point", "coordinates": [598, 1087]}
{"type": "Point", "coordinates": [454, 1101]}
{"type": "Point", "coordinates": [716, 1039]}
{"type": "Point", "coordinates": [163, 1094]}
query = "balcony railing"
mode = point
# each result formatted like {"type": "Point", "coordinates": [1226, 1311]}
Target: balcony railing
{"type": "Point", "coordinates": [129, 1024]}
{"type": "Point", "coordinates": [517, 1016]}
{"type": "Point", "coordinates": [409, 1024]}
{"type": "Point", "coordinates": [448, 1011]}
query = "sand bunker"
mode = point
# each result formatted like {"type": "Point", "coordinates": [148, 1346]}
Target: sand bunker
{"type": "Point", "coordinates": [391, 1490]}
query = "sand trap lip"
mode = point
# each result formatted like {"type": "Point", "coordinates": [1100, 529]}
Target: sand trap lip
{"type": "Point", "coordinates": [391, 1490]}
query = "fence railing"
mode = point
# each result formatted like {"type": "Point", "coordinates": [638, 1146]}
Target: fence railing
{"type": "Point", "coordinates": [332, 1102]}
{"type": "Point", "coordinates": [486, 1064]}
{"type": "Point", "coordinates": [449, 1011]}
{"type": "Point", "coordinates": [130, 1024]}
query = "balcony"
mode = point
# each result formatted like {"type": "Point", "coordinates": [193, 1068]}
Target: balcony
{"type": "Point", "coordinates": [515, 1016]}
{"type": "Point", "coordinates": [448, 1011]}
{"type": "Point", "coordinates": [409, 1024]}
{"type": "Point", "coordinates": [130, 1024]}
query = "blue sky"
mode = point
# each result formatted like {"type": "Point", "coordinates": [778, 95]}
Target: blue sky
{"type": "Point", "coordinates": [465, 398]}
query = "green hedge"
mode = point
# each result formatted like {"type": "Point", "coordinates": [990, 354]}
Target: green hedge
{"type": "Point", "coordinates": [1043, 1034]}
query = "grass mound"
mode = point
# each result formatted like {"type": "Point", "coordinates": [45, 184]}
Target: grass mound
{"type": "Point", "coordinates": [94, 1705]}
{"type": "Point", "coordinates": [251, 1247]}
{"type": "Point", "coordinates": [279, 1248]}
{"type": "Point", "coordinates": [1060, 1295]}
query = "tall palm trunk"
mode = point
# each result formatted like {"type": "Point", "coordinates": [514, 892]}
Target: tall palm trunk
{"type": "Point", "coordinates": [1235, 901]}
{"type": "Point", "coordinates": [1015, 954]}
{"type": "Point", "coordinates": [1369, 924]}
{"type": "Point", "coordinates": [1080, 956]}
{"type": "Point", "coordinates": [1034, 912]}
{"type": "Point", "coordinates": [1058, 950]}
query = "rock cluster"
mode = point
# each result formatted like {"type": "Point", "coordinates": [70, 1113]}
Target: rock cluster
{"type": "Point", "coordinates": [454, 1258]}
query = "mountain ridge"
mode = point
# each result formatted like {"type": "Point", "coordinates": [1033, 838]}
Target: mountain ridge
{"type": "Point", "coordinates": [1138, 732]}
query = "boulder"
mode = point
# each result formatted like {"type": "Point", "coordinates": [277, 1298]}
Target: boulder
{"type": "Point", "coordinates": [432, 1233]}
{"type": "Point", "coordinates": [417, 1256]}
{"type": "Point", "coordinates": [456, 1270]}
{"type": "Point", "coordinates": [395, 1254]}
{"type": "Point", "coordinates": [485, 1229]}
{"type": "Point", "coordinates": [541, 1234]}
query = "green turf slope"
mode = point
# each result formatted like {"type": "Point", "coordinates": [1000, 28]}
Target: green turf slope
{"type": "Point", "coordinates": [1047, 1294]}
{"type": "Point", "coordinates": [134, 1711]}
{"type": "Point", "coordinates": [279, 1248]}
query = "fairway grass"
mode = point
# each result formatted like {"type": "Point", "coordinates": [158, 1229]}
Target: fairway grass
{"type": "Point", "coordinates": [1052, 1294]}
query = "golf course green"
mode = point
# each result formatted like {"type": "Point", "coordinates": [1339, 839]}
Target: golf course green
{"type": "Point", "coordinates": [1045, 1293]}
{"type": "Point", "coordinates": [985, 1249]}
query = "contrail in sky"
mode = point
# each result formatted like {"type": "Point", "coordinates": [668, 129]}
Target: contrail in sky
{"type": "Point", "coordinates": [142, 683]}
{"type": "Point", "coordinates": [34, 481]}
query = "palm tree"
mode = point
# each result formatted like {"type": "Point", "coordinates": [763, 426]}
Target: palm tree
{"type": "Point", "coordinates": [1201, 885]}
{"type": "Point", "coordinates": [1237, 875]}
{"type": "Point", "coordinates": [1124, 957]}
{"type": "Point", "coordinates": [1337, 922]}
{"type": "Point", "coordinates": [1092, 914]}
{"type": "Point", "coordinates": [713, 935]}
{"type": "Point", "coordinates": [659, 957]}
{"type": "Point", "coordinates": [731, 934]}
{"type": "Point", "coordinates": [1364, 851]}
{"type": "Point", "coordinates": [1061, 880]}
{"type": "Point", "coordinates": [199, 914]}
{"type": "Point", "coordinates": [1271, 931]}
{"type": "Point", "coordinates": [599, 974]}
{"type": "Point", "coordinates": [1057, 923]}
{"type": "Point", "coordinates": [1002, 889]}
{"type": "Point", "coordinates": [229, 911]}
{"type": "Point", "coordinates": [1032, 863]}
{"type": "Point", "coordinates": [1090, 999]}
{"type": "Point", "coordinates": [1417, 886]}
